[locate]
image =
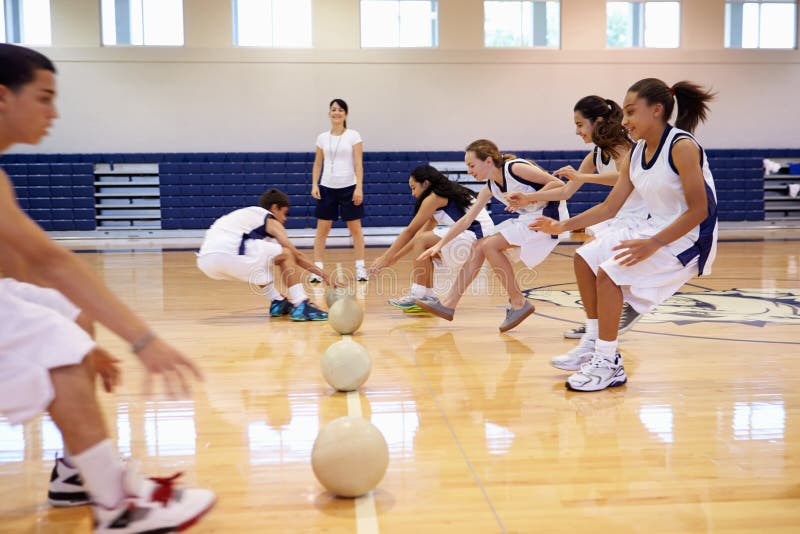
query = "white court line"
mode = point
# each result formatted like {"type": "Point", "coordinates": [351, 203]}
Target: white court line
{"type": "Point", "coordinates": [366, 518]}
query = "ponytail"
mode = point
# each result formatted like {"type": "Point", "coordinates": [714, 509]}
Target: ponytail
{"type": "Point", "coordinates": [608, 133]}
{"type": "Point", "coordinates": [691, 99]}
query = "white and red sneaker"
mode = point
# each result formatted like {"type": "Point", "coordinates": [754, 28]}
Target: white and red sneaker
{"type": "Point", "coordinates": [153, 505]}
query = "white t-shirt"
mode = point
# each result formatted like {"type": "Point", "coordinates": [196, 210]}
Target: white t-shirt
{"type": "Point", "coordinates": [338, 170]}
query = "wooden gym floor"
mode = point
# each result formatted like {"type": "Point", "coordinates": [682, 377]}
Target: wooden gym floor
{"type": "Point", "coordinates": [483, 436]}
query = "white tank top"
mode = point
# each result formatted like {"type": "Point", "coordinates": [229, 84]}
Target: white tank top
{"type": "Point", "coordinates": [511, 183]}
{"type": "Point", "coordinates": [634, 210]}
{"type": "Point", "coordinates": [448, 215]}
{"type": "Point", "coordinates": [229, 233]}
{"type": "Point", "coordinates": [660, 186]}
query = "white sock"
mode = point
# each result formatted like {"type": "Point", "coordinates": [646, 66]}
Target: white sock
{"type": "Point", "coordinates": [297, 294]}
{"type": "Point", "coordinates": [429, 292]}
{"type": "Point", "coordinates": [606, 349]}
{"type": "Point", "coordinates": [359, 264]}
{"type": "Point", "coordinates": [592, 329]}
{"type": "Point", "coordinates": [418, 290]}
{"type": "Point", "coordinates": [67, 457]}
{"type": "Point", "coordinates": [272, 293]}
{"type": "Point", "coordinates": [319, 264]}
{"type": "Point", "coordinates": [101, 471]}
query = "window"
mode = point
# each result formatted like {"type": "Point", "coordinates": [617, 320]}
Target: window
{"type": "Point", "coordinates": [649, 24]}
{"type": "Point", "coordinates": [142, 22]}
{"type": "Point", "coordinates": [275, 23]}
{"type": "Point", "coordinates": [760, 23]}
{"type": "Point", "coordinates": [523, 24]}
{"type": "Point", "coordinates": [399, 23]}
{"type": "Point", "coordinates": [25, 22]}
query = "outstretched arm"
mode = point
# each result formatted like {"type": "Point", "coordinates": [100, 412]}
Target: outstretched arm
{"type": "Point", "coordinates": [58, 268]}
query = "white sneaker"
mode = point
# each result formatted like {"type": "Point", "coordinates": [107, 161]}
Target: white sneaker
{"type": "Point", "coordinates": [361, 274]}
{"type": "Point", "coordinates": [66, 486]}
{"type": "Point", "coordinates": [598, 374]}
{"type": "Point", "coordinates": [315, 279]}
{"type": "Point", "coordinates": [574, 359]}
{"type": "Point", "coordinates": [405, 302]}
{"type": "Point", "coordinates": [153, 505]}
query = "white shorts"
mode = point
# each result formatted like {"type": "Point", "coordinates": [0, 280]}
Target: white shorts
{"type": "Point", "coordinates": [646, 284]}
{"type": "Point", "coordinates": [457, 251]}
{"type": "Point", "coordinates": [630, 223]}
{"type": "Point", "coordinates": [253, 267]}
{"type": "Point", "coordinates": [534, 246]}
{"type": "Point", "coordinates": [37, 333]}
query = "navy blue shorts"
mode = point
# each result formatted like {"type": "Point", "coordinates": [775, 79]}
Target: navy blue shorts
{"type": "Point", "coordinates": [336, 202]}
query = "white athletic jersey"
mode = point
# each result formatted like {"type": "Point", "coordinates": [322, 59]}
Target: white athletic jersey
{"type": "Point", "coordinates": [634, 210]}
{"type": "Point", "coordinates": [660, 186]}
{"type": "Point", "coordinates": [448, 215]}
{"type": "Point", "coordinates": [511, 183]}
{"type": "Point", "coordinates": [338, 170]}
{"type": "Point", "coordinates": [229, 233]}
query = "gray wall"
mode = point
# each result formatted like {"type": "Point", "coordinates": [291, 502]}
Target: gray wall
{"type": "Point", "coordinates": [211, 96]}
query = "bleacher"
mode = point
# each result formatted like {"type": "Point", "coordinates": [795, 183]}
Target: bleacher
{"type": "Point", "coordinates": [57, 189]}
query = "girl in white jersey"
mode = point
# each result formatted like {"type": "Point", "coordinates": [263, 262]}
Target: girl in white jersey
{"type": "Point", "coordinates": [440, 203]}
{"type": "Point", "coordinates": [644, 265]}
{"type": "Point", "coordinates": [599, 121]}
{"type": "Point", "coordinates": [337, 182]}
{"type": "Point", "coordinates": [503, 174]}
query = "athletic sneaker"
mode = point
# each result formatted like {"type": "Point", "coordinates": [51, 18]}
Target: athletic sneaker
{"type": "Point", "coordinates": [404, 303]}
{"type": "Point", "coordinates": [66, 486]}
{"type": "Point", "coordinates": [627, 319]}
{"type": "Point", "coordinates": [574, 359]}
{"type": "Point", "coordinates": [514, 317]}
{"type": "Point", "coordinates": [315, 279]}
{"type": "Point", "coordinates": [153, 505]}
{"type": "Point", "coordinates": [434, 306]}
{"type": "Point", "coordinates": [305, 311]}
{"type": "Point", "coordinates": [279, 308]}
{"type": "Point", "coordinates": [597, 374]}
{"type": "Point", "coordinates": [575, 333]}
{"type": "Point", "coordinates": [361, 274]}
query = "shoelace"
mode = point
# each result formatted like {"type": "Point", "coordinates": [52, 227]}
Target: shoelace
{"type": "Point", "coordinates": [596, 362]}
{"type": "Point", "coordinates": [164, 489]}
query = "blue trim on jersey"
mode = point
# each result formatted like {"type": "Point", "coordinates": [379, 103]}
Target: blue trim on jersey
{"type": "Point", "coordinates": [705, 241]}
{"type": "Point", "coordinates": [256, 233]}
{"type": "Point", "coordinates": [647, 166]}
{"type": "Point", "coordinates": [455, 213]}
{"type": "Point", "coordinates": [677, 138]}
{"type": "Point", "coordinates": [534, 185]}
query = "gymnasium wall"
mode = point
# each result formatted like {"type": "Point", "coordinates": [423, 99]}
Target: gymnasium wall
{"type": "Point", "coordinates": [211, 96]}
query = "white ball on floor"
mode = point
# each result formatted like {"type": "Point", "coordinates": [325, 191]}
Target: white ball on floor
{"type": "Point", "coordinates": [345, 315]}
{"type": "Point", "coordinates": [350, 456]}
{"type": "Point", "coordinates": [332, 294]}
{"type": "Point", "coordinates": [346, 365]}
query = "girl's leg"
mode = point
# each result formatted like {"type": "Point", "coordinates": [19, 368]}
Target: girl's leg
{"type": "Point", "coordinates": [493, 248]}
{"type": "Point", "coordinates": [467, 273]}
{"type": "Point", "coordinates": [609, 307]}
{"type": "Point", "coordinates": [358, 238]}
{"type": "Point", "coordinates": [423, 270]}
{"type": "Point", "coordinates": [321, 237]}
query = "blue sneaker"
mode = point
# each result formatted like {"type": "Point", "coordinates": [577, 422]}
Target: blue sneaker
{"type": "Point", "coordinates": [279, 308]}
{"type": "Point", "coordinates": [305, 311]}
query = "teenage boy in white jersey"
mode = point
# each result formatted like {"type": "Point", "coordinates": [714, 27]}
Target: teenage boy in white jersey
{"type": "Point", "coordinates": [244, 244]}
{"type": "Point", "coordinates": [44, 363]}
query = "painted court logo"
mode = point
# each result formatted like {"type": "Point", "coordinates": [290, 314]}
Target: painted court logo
{"type": "Point", "coordinates": [755, 307]}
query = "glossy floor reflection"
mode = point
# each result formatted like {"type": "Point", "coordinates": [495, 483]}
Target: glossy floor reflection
{"type": "Point", "coordinates": [483, 436]}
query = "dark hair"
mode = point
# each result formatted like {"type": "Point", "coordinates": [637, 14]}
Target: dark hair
{"type": "Point", "coordinates": [18, 65]}
{"type": "Point", "coordinates": [483, 148]}
{"type": "Point", "coordinates": [342, 104]}
{"type": "Point", "coordinates": [607, 134]}
{"type": "Point", "coordinates": [442, 186]}
{"type": "Point", "coordinates": [273, 196]}
{"type": "Point", "coordinates": [691, 99]}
